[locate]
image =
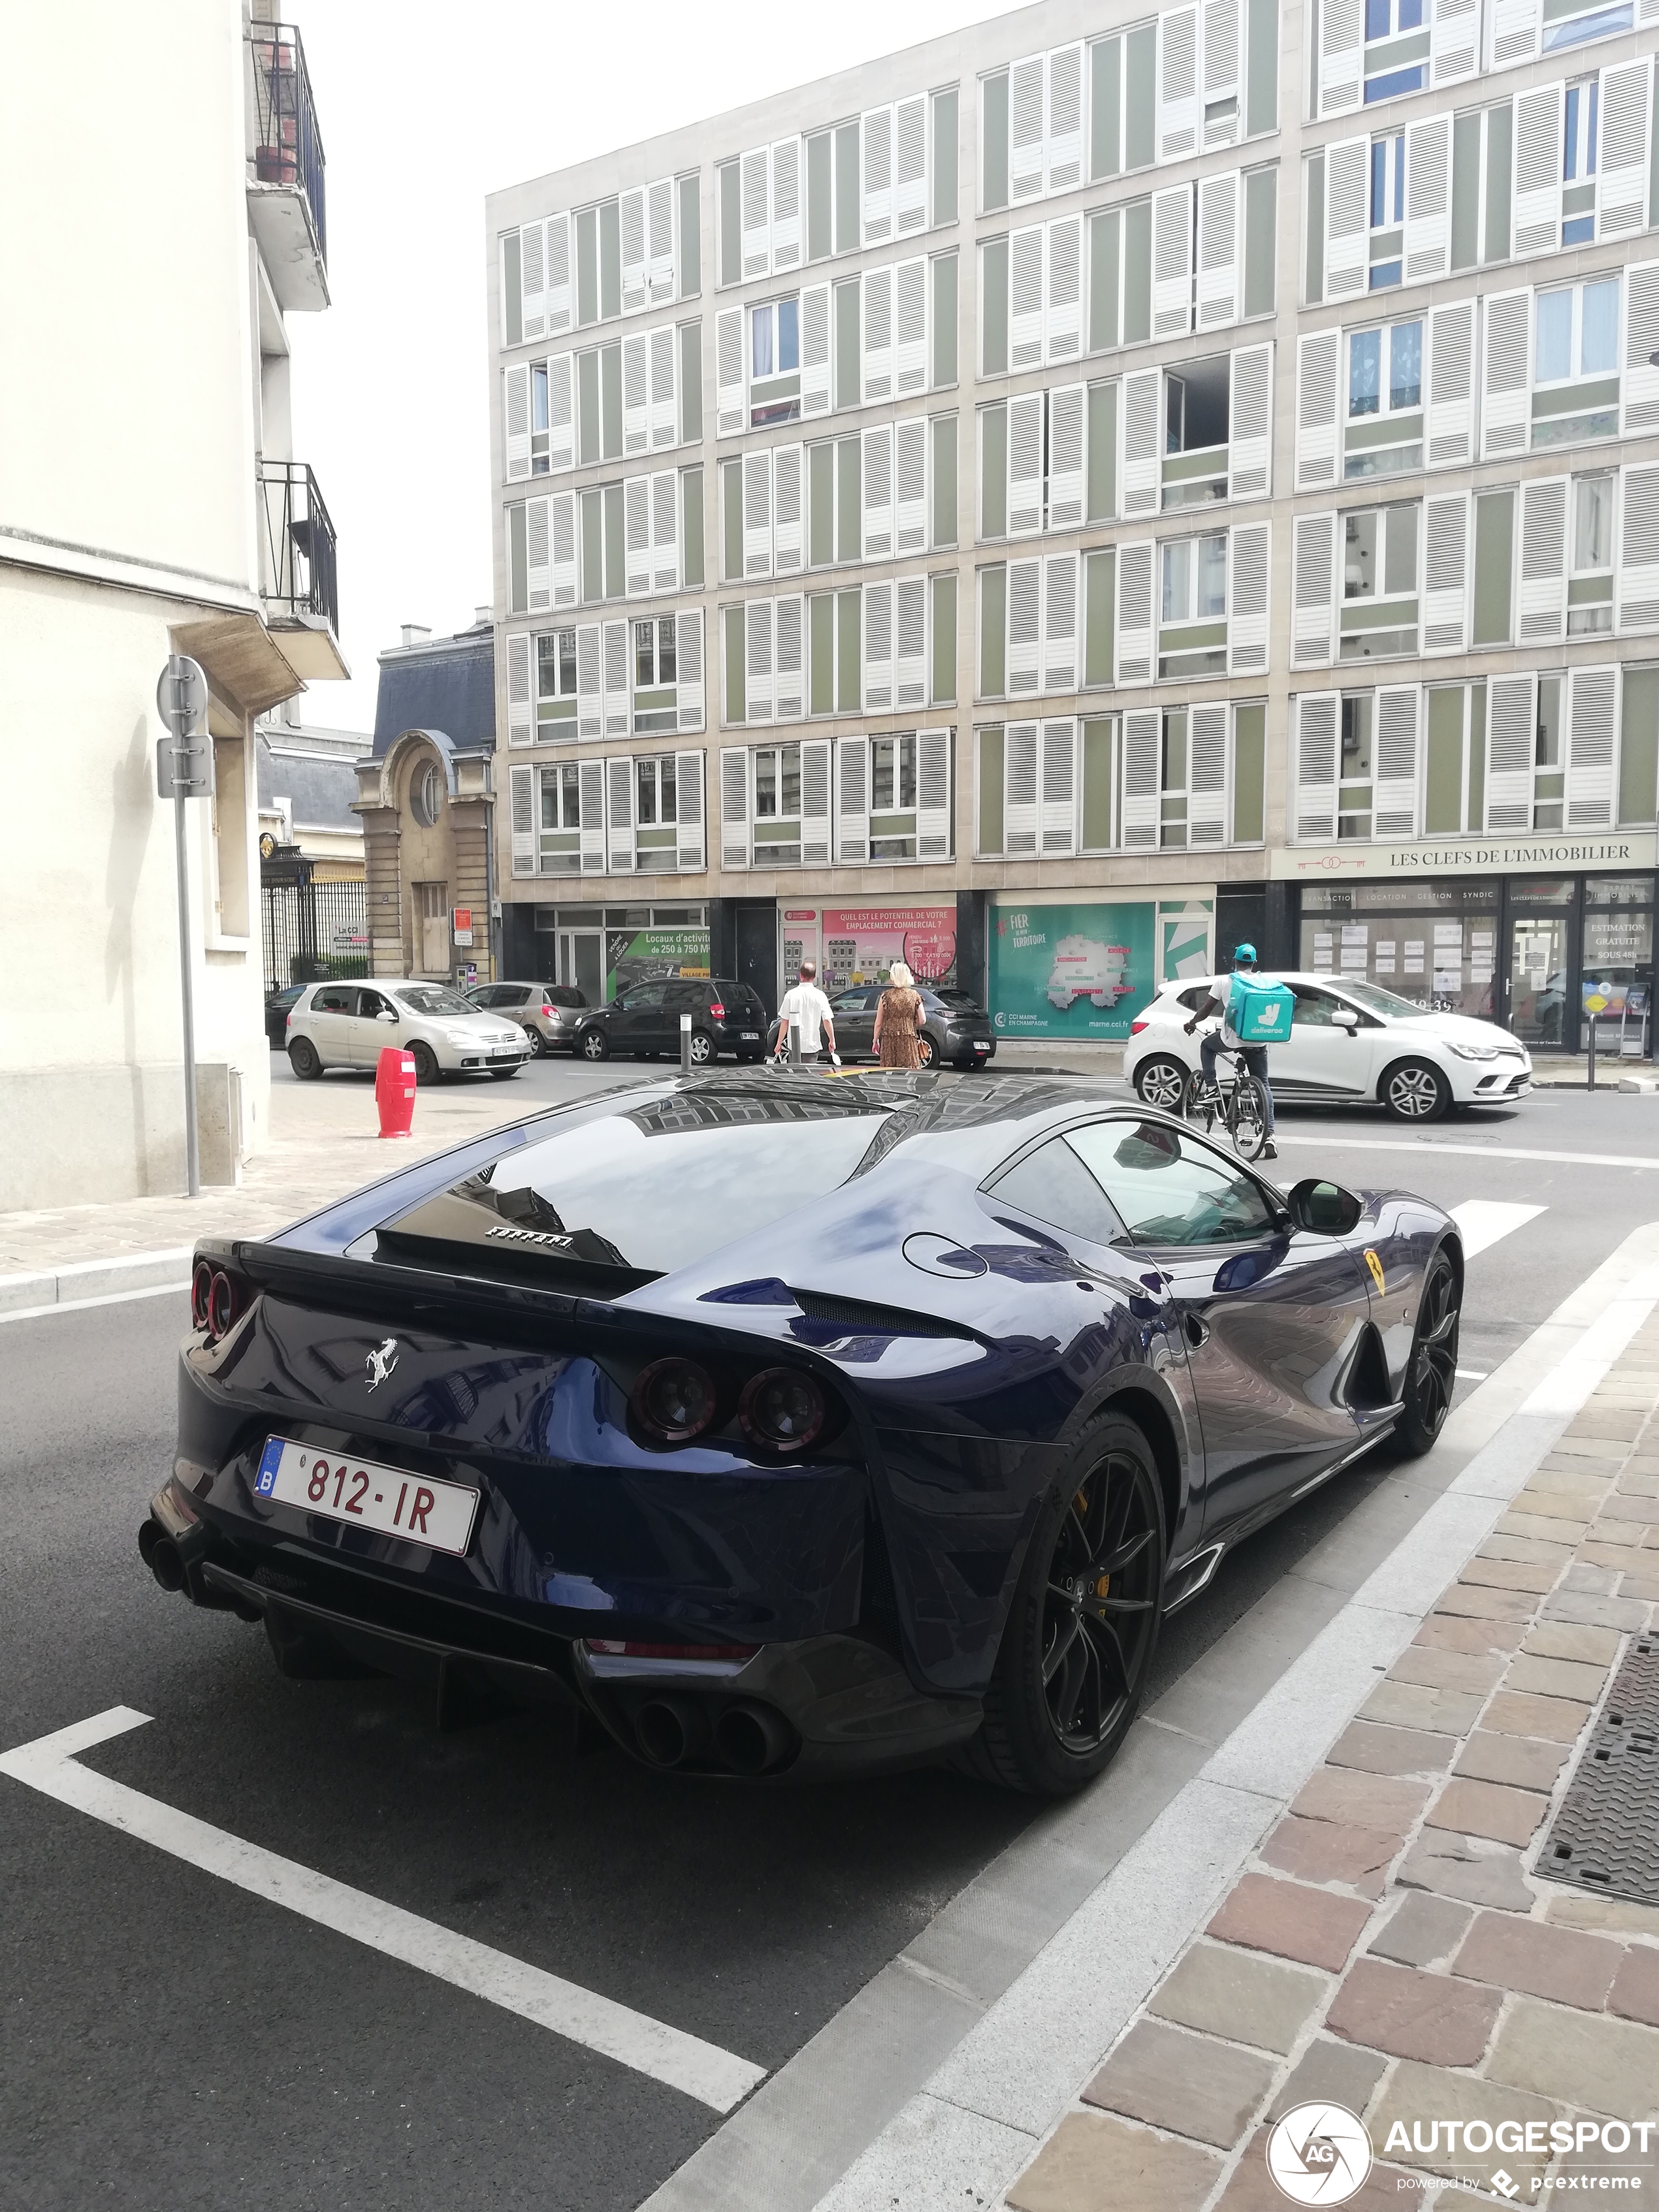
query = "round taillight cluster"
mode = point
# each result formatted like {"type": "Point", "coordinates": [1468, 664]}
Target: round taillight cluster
{"type": "Point", "coordinates": [675, 1400]}
{"type": "Point", "coordinates": [783, 1410]}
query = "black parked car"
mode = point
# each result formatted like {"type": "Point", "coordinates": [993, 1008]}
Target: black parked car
{"type": "Point", "coordinates": [644, 1019]}
{"type": "Point", "coordinates": [957, 1027]}
{"type": "Point", "coordinates": [278, 1006]}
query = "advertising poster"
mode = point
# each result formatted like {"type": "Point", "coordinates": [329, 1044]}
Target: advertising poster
{"type": "Point", "coordinates": [860, 944]}
{"type": "Point", "coordinates": [1183, 929]}
{"type": "Point", "coordinates": [1071, 972]}
{"type": "Point", "coordinates": [640, 956]}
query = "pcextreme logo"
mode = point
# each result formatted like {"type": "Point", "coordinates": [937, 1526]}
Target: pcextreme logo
{"type": "Point", "coordinates": [1319, 2155]}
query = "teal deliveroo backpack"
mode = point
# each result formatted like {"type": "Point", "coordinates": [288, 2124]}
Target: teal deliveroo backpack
{"type": "Point", "coordinates": [1259, 1011]}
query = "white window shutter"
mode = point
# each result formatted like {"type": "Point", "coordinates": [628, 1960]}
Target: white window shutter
{"type": "Point", "coordinates": [1059, 624]}
{"type": "Point", "coordinates": [659, 240]}
{"type": "Point", "coordinates": [1206, 776]}
{"type": "Point", "coordinates": [1641, 379]}
{"type": "Point", "coordinates": [786, 204]}
{"type": "Point", "coordinates": [1250, 449]}
{"type": "Point", "coordinates": [910, 485]}
{"type": "Point", "coordinates": [911, 642]}
{"type": "Point", "coordinates": [1506, 400]}
{"type": "Point", "coordinates": [689, 811]}
{"type": "Point", "coordinates": [1063, 151]}
{"type": "Point", "coordinates": [618, 692]}
{"type": "Point", "coordinates": [1636, 577]}
{"type": "Point", "coordinates": [1445, 571]}
{"type": "Point", "coordinates": [1514, 29]}
{"type": "Point", "coordinates": [1172, 262]}
{"type": "Point", "coordinates": [1511, 735]}
{"type": "Point", "coordinates": [1347, 232]}
{"type": "Point", "coordinates": [688, 660]}
{"type": "Point", "coordinates": [537, 555]}
{"type": "Point", "coordinates": [934, 810]}
{"type": "Point", "coordinates": [631, 224]}
{"type": "Point", "coordinates": [1428, 197]}
{"type": "Point", "coordinates": [877, 649]}
{"type": "Point", "coordinates": [1138, 814]}
{"type": "Point", "coordinates": [910, 164]}
{"type": "Point", "coordinates": [877, 335]}
{"type": "Point", "coordinates": [1066, 443]}
{"type": "Point", "coordinates": [590, 682]}
{"type": "Point", "coordinates": [532, 262]}
{"type": "Point", "coordinates": [1453, 41]}
{"type": "Point", "coordinates": [1592, 720]}
{"type": "Point", "coordinates": [1318, 417]}
{"type": "Point", "coordinates": [1248, 554]}
{"type": "Point", "coordinates": [665, 397]}
{"type": "Point", "coordinates": [562, 514]}
{"type": "Point", "coordinates": [1394, 792]}
{"type": "Point", "coordinates": [1179, 108]}
{"type": "Point", "coordinates": [730, 409]}
{"type": "Point", "coordinates": [1025, 129]}
{"type": "Point", "coordinates": [1025, 258]}
{"type": "Point", "coordinates": [853, 795]}
{"type": "Point", "coordinates": [1057, 798]}
{"type": "Point", "coordinates": [1024, 628]}
{"type": "Point", "coordinates": [791, 687]}
{"type": "Point", "coordinates": [760, 679]}
{"type": "Point", "coordinates": [665, 531]}
{"type": "Point", "coordinates": [734, 807]}
{"type": "Point", "coordinates": [561, 412]}
{"type": "Point", "coordinates": [1143, 444]}
{"type": "Point", "coordinates": [756, 204]}
{"type": "Point", "coordinates": [1024, 465]}
{"type": "Point", "coordinates": [1020, 817]}
{"type": "Point", "coordinates": [1136, 636]}
{"type": "Point", "coordinates": [636, 517]}
{"type": "Point", "coordinates": [787, 550]}
{"type": "Point", "coordinates": [877, 131]}
{"type": "Point", "coordinates": [1341, 56]}
{"type": "Point", "coordinates": [1219, 203]}
{"type": "Point", "coordinates": [520, 709]}
{"type": "Point", "coordinates": [815, 350]}
{"type": "Point", "coordinates": [1543, 561]}
{"type": "Point", "coordinates": [636, 392]}
{"type": "Point", "coordinates": [619, 808]}
{"type": "Point", "coordinates": [1318, 714]}
{"type": "Point", "coordinates": [1063, 313]}
{"type": "Point", "coordinates": [1313, 589]}
{"type": "Point", "coordinates": [1221, 75]}
{"type": "Point", "coordinates": [1626, 99]}
{"type": "Point", "coordinates": [1538, 170]}
{"type": "Point", "coordinates": [876, 531]}
{"type": "Point", "coordinates": [559, 306]}
{"type": "Point", "coordinates": [521, 790]}
{"type": "Point", "coordinates": [517, 404]}
{"type": "Point", "coordinates": [1450, 419]}
{"type": "Point", "coordinates": [590, 801]}
{"type": "Point", "coordinates": [911, 328]}
{"type": "Point", "coordinates": [757, 513]}
{"type": "Point", "coordinates": [817, 760]}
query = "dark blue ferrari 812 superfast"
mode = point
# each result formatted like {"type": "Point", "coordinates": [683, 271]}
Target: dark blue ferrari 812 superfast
{"type": "Point", "coordinates": [778, 1423]}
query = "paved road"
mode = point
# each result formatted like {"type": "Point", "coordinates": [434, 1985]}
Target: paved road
{"type": "Point", "coordinates": [169, 2041]}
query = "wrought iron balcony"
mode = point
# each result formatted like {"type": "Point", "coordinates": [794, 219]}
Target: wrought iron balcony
{"type": "Point", "coordinates": [287, 196]}
{"type": "Point", "coordinates": [298, 579]}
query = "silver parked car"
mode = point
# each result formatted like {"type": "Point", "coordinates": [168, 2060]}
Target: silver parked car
{"type": "Point", "coordinates": [546, 1013]}
{"type": "Point", "coordinates": [348, 1024]}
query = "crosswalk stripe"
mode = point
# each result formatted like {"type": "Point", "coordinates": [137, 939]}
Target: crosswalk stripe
{"type": "Point", "coordinates": [1487, 1221]}
{"type": "Point", "coordinates": [1471, 1151]}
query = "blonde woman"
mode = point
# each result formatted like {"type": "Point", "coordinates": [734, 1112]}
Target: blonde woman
{"type": "Point", "coordinates": [899, 1017]}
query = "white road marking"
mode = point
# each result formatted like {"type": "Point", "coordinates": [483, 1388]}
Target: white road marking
{"type": "Point", "coordinates": [1485, 1221]}
{"type": "Point", "coordinates": [702, 2070]}
{"type": "Point", "coordinates": [1473, 1151]}
{"type": "Point", "coordinates": [1471, 1374]}
{"type": "Point", "coordinates": [108, 1298]}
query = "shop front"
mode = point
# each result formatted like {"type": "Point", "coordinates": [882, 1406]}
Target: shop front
{"type": "Point", "coordinates": [851, 944]}
{"type": "Point", "coordinates": [1066, 970]}
{"type": "Point", "coordinates": [602, 949]}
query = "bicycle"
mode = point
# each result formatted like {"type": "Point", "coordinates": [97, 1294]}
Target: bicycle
{"type": "Point", "coordinates": [1238, 1100]}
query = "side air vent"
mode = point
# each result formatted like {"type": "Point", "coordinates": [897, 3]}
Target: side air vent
{"type": "Point", "coordinates": [883, 1321]}
{"type": "Point", "coordinates": [1365, 1385]}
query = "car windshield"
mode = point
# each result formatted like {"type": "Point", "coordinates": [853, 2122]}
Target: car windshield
{"type": "Point", "coordinates": [964, 998]}
{"type": "Point", "coordinates": [1385, 1003]}
{"type": "Point", "coordinates": [432, 998]}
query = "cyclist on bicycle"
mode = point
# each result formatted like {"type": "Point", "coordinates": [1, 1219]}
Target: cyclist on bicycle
{"type": "Point", "coordinates": [1254, 1056]}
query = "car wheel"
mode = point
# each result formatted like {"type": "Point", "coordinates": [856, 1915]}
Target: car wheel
{"type": "Point", "coordinates": [540, 1047]}
{"type": "Point", "coordinates": [926, 1051]}
{"type": "Point", "coordinates": [593, 1044]}
{"type": "Point", "coordinates": [425, 1059]}
{"type": "Point", "coordinates": [1081, 1631]}
{"type": "Point", "coordinates": [302, 1058]}
{"type": "Point", "coordinates": [1412, 1091]}
{"type": "Point", "coordinates": [1431, 1372]}
{"type": "Point", "coordinates": [1162, 1082]}
{"type": "Point", "coordinates": [702, 1048]}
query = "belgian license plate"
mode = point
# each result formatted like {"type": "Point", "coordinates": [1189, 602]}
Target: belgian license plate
{"type": "Point", "coordinates": [981, 1044]}
{"type": "Point", "coordinates": [750, 1036]}
{"type": "Point", "coordinates": [419, 1507]}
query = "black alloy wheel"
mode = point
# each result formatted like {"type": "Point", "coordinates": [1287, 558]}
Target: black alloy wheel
{"type": "Point", "coordinates": [302, 1058]}
{"type": "Point", "coordinates": [1413, 1092]}
{"type": "Point", "coordinates": [1084, 1622]}
{"type": "Point", "coordinates": [425, 1059]}
{"type": "Point", "coordinates": [927, 1051]}
{"type": "Point", "coordinates": [1432, 1373]}
{"type": "Point", "coordinates": [1162, 1083]}
{"type": "Point", "coordinates": [593, 1043]}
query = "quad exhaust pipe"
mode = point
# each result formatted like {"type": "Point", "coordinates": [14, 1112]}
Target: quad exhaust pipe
{"type": "Point", "coordinates": [746, 1739]}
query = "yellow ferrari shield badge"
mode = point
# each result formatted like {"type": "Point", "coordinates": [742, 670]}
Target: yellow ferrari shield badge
{"type": "Point", "coordinates": [1376, 1267]}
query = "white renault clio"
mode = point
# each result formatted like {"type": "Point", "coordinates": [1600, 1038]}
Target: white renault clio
{"type": "Point", "coordinates": [1349, 1041]}
{"type": "Point", "coordinates": [347, 1024]}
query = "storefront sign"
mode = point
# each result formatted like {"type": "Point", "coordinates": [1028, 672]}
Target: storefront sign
{"type": "Point", "coordinates": [860, 944]}
{"type": "Point", "coordinates": [1301, 863]}
{"type": "Point", "coordinates": [1071, 972]}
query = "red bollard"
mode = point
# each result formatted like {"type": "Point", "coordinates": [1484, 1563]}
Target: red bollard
{"type": "Point", "coordinates": [394, 1089]}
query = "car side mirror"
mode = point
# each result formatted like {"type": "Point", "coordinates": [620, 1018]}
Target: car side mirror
{"type": "Point", "coordinates": [1324, 1208]}
{"type": "Point", "coordinates": [385, 1014]}
{"type": "Point", "coordinates": [1345, 1019]}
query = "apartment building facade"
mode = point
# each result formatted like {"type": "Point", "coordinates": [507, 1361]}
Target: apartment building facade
{"type": "Point", "coordinates": [1091, 487]}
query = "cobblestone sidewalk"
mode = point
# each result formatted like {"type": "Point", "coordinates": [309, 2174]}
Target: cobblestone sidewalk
{"type": "Point", "coordinates": [1390, 1947]}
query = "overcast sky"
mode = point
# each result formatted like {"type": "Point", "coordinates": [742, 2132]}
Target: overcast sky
{"type": "Point", "coordinates": [423, 110]}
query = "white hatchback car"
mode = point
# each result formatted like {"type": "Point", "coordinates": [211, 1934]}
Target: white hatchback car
{"type": "Point", "coordinates": [348, 1025]}
{"type": "Point", "coordinates": [1349, 1040]}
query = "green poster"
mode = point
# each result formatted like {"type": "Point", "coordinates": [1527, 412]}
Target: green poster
{"type": "Point", "coordinates": [639, 956]}
{"type": "Point", "coordinates": [1071, 972]}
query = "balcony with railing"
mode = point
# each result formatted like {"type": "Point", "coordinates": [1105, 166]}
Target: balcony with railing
{"type": "Point", "coordinates": [298, 580]}
{"type": "Point", "coordinates": [286, 177]}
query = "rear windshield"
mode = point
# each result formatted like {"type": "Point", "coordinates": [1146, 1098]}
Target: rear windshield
{"type": "Point", "coordinates": [563, 995]}
{"type": "Point", "coordinates": [432, 998]}
{"type": "Point", "coordinates": [965, 999]}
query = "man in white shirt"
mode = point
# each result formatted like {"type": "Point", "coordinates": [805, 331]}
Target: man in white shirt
{"type": "Point", "coordinates": [806, 1006]}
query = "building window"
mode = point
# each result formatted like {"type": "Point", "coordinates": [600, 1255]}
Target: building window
{"type": "Point", "coordinates": [1195, 427]}
{"type": "Point", "coordinates": [539, 457]}
{"type": "Point", "coordinates": [1589, 586]}
{"type": "Point", "coordinates": [892, 798]}
{"type": "Point", "coordinates": [1353, 796]}
{"type": "Point", "coordinates": [1388, 210]}
{"type": "Point", "coordinates": [653, 654]}
{"type": "Point", "coordinates": [561, 797]}
{"type": "Point", "coordinates": [656, 813]}
{"type": "Point", "coordinates": [777, 804]}
{"type": "Point", "coordinates": [1395, 61]}
{"type": "Point", "coordinates": [1579, 163]}
{"type": "Point", "coordinates": [426, 795]}
{"type": "Point", "coordinates": [556, 683]}
{"type": "Point", "coordinates": [1549, 768]}
{"type": "Point", "coordinates": [1379, 582]}
{"type": "Point", "coordinates": [1595, 23]}
{"type": "Point", "coordinates": [1576, 361]}
{"type": "Point", "coordinates": [1385, 400]}
{"type": "Point", "coordinates": [1193, 607]}
{"type": "Point", "coordinates": [774, 363]}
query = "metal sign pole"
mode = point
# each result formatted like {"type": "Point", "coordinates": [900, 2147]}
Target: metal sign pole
{"type": "Point", "coordinates": [184, 769]}
{"type": "Point", "coordinates": [192, 1134]}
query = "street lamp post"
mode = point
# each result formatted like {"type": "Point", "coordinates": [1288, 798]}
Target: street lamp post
{"type": "Point", "coordinates": [184, 769]}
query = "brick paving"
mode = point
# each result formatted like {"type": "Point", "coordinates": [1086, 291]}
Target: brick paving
{"type": "Point", "coordinates": [1390, 1947]}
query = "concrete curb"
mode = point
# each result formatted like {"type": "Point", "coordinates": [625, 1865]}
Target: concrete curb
{"type": "Point", "coordinates": [80, 1279]}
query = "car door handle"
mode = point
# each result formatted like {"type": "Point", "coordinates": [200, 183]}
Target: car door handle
{"type": "Point", "coordinates": [1197, 1331]}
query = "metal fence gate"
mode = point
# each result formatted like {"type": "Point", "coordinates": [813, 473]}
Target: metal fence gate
{"type": "Point", "coordinates": [313, 932]}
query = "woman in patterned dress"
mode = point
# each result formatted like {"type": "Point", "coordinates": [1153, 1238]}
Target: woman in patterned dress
{"type": "Point", "coordinates": [899, 1017]}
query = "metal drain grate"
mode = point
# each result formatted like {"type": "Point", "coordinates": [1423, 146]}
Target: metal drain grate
{"type": "Point", "coordinates": [1605, 1836]}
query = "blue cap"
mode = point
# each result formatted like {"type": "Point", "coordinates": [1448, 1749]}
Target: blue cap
{"type": "Point", "coordinates": [1243, 952]}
